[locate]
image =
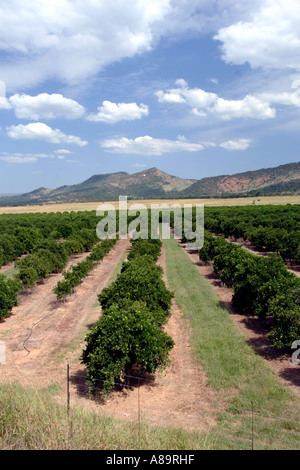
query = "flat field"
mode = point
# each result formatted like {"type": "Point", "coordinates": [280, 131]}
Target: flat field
{"type": "Point", "coordinates": [89, 206]}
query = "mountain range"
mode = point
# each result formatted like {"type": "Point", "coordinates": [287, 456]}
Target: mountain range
{"type": "Point", "coordinates": [156, 184]}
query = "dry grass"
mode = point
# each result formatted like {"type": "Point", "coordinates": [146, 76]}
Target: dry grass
{"type": "Point", "coordinates": [89, 206]}
{"type": "Point", "coordinates": [33, 420]}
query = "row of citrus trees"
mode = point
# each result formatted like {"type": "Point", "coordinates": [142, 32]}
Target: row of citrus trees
{"type": "Point", "coordinates": [73, 277]}
{"type": "Point", "coordinates": [44, 254]}
{"type": "Point", "coordinates": [262, 286]}
{"type": "Point", "coordinates": [268, 228]}
{"type": "Point", "coordinates": [49, 257]}
{"type": "Point", "coordinates": [134, 309]}
{"type": "Point", "coordinates": [21, 234]}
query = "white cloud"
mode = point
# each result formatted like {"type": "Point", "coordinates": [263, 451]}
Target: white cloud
{"type": "Point", "coordinates": [172, 96]}
{"type": "Point", "coordinates": [64, 151]}
{"type": "Point", "coordinates": [15, 159]}
{"type": "Point", "coordinates": [269, 38]}
{"type": "Point", "coordinates": [23, 157]}
{"type": "Point", "coordinates": [45, 106]}
{"type": "Point", "coordinates": [4, 103]}
{"type": "Point", "coordinates": [250, 107]}
{"type": "Point", "coordinates": [73, 41]}
{"type": "Point", "coordinates": [240, 144]}
{"type": "Point", "coordinates": [29, 157]}
{"type": "Point", "coordinates": [115, 112]}
{"type": "Point", "coordinates": [283, 98]}
{"type": "Point", "coordinates": [149, 146]}
{"type": "Point", "coordinates": [203, 103]}
{"type": "Point", "coordinates": [40, 131]}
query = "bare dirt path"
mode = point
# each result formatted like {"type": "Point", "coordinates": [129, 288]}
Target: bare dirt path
{"type": "Point", "coordinates": [254, 329]}
{"type": "Point", "coordinates": [177, 397]}
{"type": "Point", "coordinates": [41, 329]}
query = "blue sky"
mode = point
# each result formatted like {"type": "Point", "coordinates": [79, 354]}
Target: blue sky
{"type": "Point", "coordinates": [195, 88]}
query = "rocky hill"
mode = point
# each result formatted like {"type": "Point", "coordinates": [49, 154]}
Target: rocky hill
{"type": "Point", "coordinates": [284, 179]}
{"type": "Point", "coordinates": [154, 183]}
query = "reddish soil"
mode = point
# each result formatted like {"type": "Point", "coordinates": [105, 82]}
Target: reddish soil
{"type": "Point", "coordinates": [43, 335]}
{"type": "Point", "coordinates": [254, 330]}
{"type": "Point", "coordinates": [177, 397]}
{"type": "Point", "coordinates": [40, 329]}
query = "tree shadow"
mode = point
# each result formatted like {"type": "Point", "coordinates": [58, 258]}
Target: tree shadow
{"type": "Point", "coordinates": [55, 304]}
{"type": "Point", "coordinates": [261, 343]}
{"type": "Point", "coordinates": [97, 392]}
{"type": "Point", "coordinates": [261, 328]}
{"type": "Point", "coordinates": [291, 375]}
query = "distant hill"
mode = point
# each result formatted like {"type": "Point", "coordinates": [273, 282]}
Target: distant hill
{"type": "Point", "coordinates": [147, 184]}
{"type": "Point", "coordinates": [284, 179]}
{"type": "Point", "coordinates": [154, 183]}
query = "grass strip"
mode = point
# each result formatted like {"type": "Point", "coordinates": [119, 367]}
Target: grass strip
{"type": "Point", "coordinates": [232, 366]}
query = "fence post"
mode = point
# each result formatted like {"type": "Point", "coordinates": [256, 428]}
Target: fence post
{"type": "Point", "coordinates": [252, 420]}
{"type": "Point", "coordinates": [139, 410]}
{"type": "Point", "coordinates": [68, 389]}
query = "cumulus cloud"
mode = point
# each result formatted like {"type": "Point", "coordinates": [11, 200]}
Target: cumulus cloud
{"type": "Point", "coordinates": [114, 112]}
{"type": "Point", "coordinates": [73, 41]}
{"type": "Point", "coordinates": [251, 106]}
{"type": "Point", "coordinates": [240, 144]}
{"type": "Point", "coordinates": [40, 131]}
{"type": "Point", "coordinates": [149, 146]}
{"type": "Point", "coordinates": [283, 98]}
{"type": "Point", "coordinates": [45, 106]}
{"type": "Point", "coordinates": [269, 38]}
{"type": "Point", "coordinates": [203, 103]}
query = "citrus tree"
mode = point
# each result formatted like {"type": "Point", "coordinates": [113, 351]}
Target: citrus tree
{"type": "Point", "coordinates": [126, 336]}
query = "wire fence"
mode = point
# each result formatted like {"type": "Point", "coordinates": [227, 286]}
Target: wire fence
{"type": "Point", "coordinates": [248, 425]}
